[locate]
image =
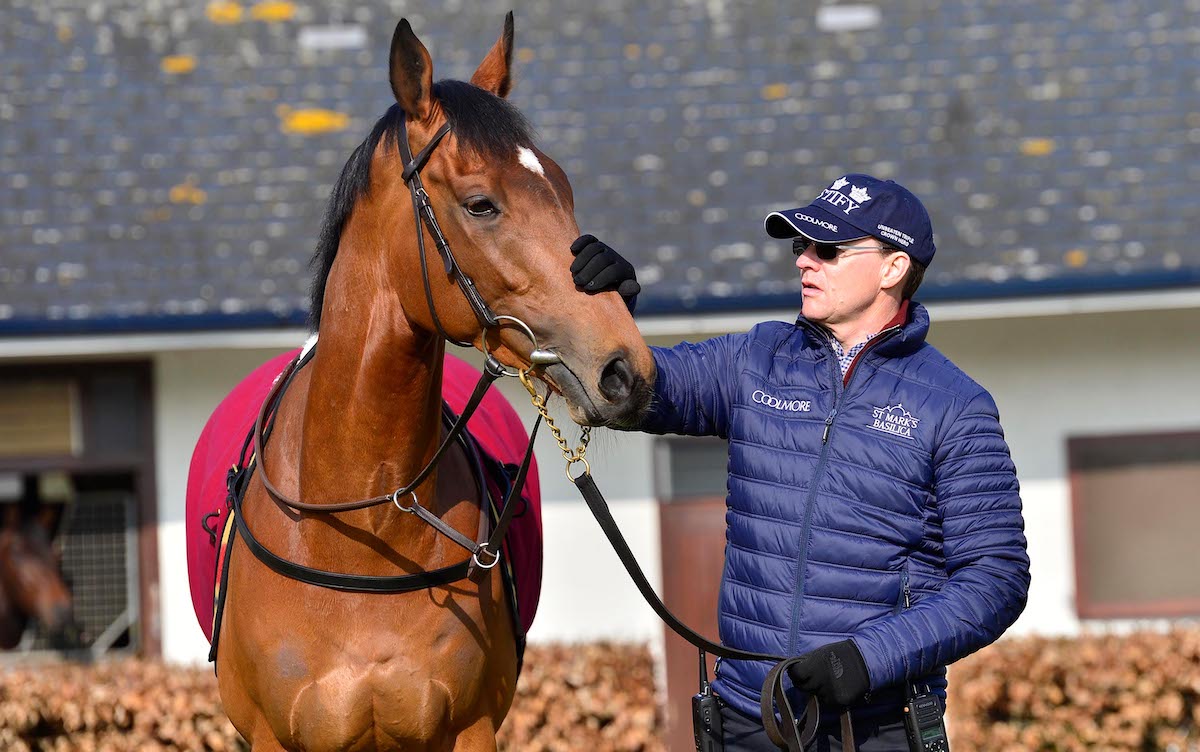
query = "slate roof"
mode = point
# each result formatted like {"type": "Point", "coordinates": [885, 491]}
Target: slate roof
{"type": "Point", "coordinates": [165, 163]}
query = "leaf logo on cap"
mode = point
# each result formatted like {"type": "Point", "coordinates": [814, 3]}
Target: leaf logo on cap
{"type": "Point", "coordinates": [859, 194]}
{"type": "Point", "coordinates": [839, 184]}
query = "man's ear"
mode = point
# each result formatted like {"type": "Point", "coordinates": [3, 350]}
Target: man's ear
{"type": "Point", "coordinates": [895, 271]}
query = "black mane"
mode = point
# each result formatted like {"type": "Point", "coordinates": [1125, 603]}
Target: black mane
{"type": "Point", "coordinates": [480, 122]}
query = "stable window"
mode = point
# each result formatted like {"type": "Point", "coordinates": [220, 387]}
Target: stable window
{"type": "Point", "coordinates": [76, 466]}
{"type": "Point", "coordinates": [1136, 507]}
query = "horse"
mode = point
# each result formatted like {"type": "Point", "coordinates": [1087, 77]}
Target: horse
{"type": "Point", "coordinates": [32, 586]}
{"type": "Point", "coordinates": [302, 666]}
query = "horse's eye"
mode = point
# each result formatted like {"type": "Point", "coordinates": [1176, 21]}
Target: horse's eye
{"type": "Point", "coordinates": [480, 207]}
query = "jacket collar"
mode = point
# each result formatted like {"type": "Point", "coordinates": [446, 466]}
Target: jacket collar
{"type": "Point", "coordinates": [912, 318]}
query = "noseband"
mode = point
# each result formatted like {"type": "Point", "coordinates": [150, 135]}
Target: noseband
{"type": "Point", "coordinates": [485, 554]}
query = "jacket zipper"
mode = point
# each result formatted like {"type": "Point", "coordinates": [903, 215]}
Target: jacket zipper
{"type": "Point", "coordinates": [906, 594]}
{"type": "Point", "coordinates": [841, 389]}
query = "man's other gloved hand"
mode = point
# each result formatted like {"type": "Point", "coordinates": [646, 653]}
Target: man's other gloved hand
{"type": "Point", "coordinates": [835, 673]}
{"type": "Point", "coordinates": [597, 268]}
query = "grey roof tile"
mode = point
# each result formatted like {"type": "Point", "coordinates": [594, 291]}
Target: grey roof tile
{"type": "Point", "coordinates": [1056, 144]}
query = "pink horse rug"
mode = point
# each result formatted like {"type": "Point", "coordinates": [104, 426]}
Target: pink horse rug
{"type": "Point", "coordinates": [495, 427]}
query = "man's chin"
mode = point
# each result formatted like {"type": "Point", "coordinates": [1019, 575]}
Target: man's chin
{"type": "Point", "coordinates": [815, 313]}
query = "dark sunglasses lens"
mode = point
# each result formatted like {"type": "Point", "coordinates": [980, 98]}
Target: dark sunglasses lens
{"type": "Point", "coordinates": [824, 251]}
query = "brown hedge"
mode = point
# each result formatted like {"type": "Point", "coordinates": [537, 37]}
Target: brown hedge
{"type": "Point", "coordinates": [1138, 691]}
{"type": "Point", "coordinates": [1134, 692]}
{"type": "Point", "coordinates": [592, 697]}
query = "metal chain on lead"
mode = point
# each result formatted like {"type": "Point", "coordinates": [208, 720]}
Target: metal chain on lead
{"type": "Point", "coordinates": [572, 456]}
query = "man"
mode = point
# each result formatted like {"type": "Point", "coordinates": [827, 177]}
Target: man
{"type": "Point", "coordinates": [874, 524]}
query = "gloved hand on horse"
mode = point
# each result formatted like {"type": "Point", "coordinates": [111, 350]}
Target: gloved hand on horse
{"type": "Point", "coordinates": [598, 268]}
{"type": "Point", "coordinates": [835, 673]}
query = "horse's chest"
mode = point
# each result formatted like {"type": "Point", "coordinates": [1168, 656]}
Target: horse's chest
{"type": "Point", "coordinates": [385, 702]}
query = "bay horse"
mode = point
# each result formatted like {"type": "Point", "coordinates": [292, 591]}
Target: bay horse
{"type": "Point", "coordinates": [304, 667]}
{"type": "Point", "coordinates": [32, 585]}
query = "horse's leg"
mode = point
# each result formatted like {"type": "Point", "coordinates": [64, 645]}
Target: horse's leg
{"type": "Point", "coordinates": [243, 712]}
{"type": "Point", "coordinates": [478, 737]}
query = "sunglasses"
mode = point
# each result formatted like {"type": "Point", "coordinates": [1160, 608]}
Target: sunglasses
{"type": "Point", "coordinates": [829, 251]}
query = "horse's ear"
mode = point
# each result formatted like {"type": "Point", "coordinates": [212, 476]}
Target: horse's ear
{"type": "Point", "coordinates": [410, 70]}
{"type": "Point", "coordinates": [495, 72]}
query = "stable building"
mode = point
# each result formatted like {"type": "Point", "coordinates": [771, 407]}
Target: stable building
{"type": "Point", "coordinates": [164, 168]}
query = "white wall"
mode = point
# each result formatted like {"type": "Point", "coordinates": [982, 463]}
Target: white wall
{"type": "Point", "coordinates": [1082, 375]}
{"type": "Point", "coordinates": [1053, 377]}
{"type": "Point", "coordinates": [188, 385]}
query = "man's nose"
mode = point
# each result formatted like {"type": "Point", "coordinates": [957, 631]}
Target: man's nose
{"type": "Point", "coordinates": [805, 261]}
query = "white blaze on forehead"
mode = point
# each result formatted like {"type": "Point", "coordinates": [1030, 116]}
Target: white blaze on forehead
{"type": "Point", "coordinates": [530, 160]}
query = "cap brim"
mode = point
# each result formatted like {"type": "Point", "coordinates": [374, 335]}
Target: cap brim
{"type": "Point", "coordinates": [814, 223]}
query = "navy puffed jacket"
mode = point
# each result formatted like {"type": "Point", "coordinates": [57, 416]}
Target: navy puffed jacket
{"type": "Point", "coordinates": [844, 495]}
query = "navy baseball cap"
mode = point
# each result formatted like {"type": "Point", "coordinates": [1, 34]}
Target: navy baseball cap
{"type": "Point", "coordinates": [858, 206]}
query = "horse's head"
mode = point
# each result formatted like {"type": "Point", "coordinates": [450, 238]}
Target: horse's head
{"type": "Point", "coordinates": [31, 569]}
{"type": "Point", "coordinates": [507, 212]}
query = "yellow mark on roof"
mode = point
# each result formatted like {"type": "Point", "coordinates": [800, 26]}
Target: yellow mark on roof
{"type": "Point", "coordinates": [223, 12]}
{"type": "Point", "coordinates": [273, 10]}
{"type": "Point", "coordinates": [187, 193]}
{"type": "Point", "coordinates": [1037, 147]}
{"type": "Point", "coordinates": [774, 91]}
{"type": "Point", "coordinates": [175, 64]}
{"type": "Point", "coordinates": [311, 121]}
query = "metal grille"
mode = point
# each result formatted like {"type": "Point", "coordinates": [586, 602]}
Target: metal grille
{"type": "Point", "coordinates": [100, 565]}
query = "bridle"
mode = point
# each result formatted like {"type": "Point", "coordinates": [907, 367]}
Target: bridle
{"type": "Point", "coordinates": [423, 209]}
{"type": "Point", "coordinates": [484, 554]}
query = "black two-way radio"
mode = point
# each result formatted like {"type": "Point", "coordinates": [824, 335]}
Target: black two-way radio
{"type": "Point", "coordinates": [706, 714]}
{"type": "Point", "coordinates": [924, 724]}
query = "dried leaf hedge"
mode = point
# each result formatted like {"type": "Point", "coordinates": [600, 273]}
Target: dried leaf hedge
{"type": "Point", "coordinates": [1104, 692]}
{"type": "Point", "coordinates": [1139, 691]}
{"type": "Point", "coordinates": [592, 697]}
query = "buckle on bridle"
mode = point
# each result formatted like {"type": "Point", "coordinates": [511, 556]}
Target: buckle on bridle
{"type": "Point", "coordinates": [484, 549]}
{"type": "Point", "coordinates": [396, 500]}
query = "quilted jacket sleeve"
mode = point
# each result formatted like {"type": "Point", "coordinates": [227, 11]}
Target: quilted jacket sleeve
{"type": "Point", "coordinates": [986, 560]}
{"type": "Point", "coordinates": [692, 388]}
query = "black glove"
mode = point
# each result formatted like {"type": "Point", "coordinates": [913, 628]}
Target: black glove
{"type": "Point", "coordinates": [835, 673]}
{"type": "Point", "coordinates": [597, 268]}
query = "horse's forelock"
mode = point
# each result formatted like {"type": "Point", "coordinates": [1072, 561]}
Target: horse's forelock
{"type": "Point", "coordinates": [482, 122]}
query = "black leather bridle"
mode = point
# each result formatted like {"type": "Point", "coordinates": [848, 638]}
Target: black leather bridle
{"type": "Point", "coordinates": [484, 554]}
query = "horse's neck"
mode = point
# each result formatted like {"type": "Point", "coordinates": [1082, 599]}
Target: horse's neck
{"type": "Point", "coordinates": [372, 417]}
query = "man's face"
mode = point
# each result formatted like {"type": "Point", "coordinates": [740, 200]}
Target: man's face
{"type": "Point", "coordinates": [839, 281]}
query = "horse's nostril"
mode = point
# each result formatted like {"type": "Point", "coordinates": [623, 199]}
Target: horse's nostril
{"type": "Point", "coordinates": [616, 380]}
